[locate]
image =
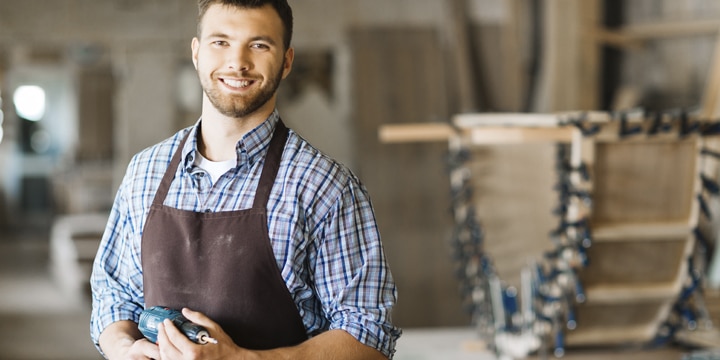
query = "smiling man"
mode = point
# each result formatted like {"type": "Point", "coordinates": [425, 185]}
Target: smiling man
{"type": "Point", "coordinates": [255, 234]}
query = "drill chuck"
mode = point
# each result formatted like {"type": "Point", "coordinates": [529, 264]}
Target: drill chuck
{"type": "Point", "coordinates": [150, 318]}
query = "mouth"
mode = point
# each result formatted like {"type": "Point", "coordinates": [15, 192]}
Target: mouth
{"type": "Point", "coordinates": [237, 84]}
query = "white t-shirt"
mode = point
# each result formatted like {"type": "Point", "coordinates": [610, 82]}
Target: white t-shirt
{"type": "Point", "coordinates": [216, 169]}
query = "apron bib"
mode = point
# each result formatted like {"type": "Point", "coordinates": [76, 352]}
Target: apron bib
{"type": "Point", "coordinates": [222, 264]}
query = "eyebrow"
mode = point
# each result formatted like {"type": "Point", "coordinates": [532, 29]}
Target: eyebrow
{"type": "Point", "coordinates": [219, 35]}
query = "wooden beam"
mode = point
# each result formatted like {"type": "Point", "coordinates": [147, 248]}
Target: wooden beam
{"type": "Point", "coordinates": [632, 36]}
{"type": "Point", "coordinates": [424, 132]}
{"type": "Point", "coordinates": [650, 231]}
{"type": "Point", "coordinates": [711, 96]}
{"type": "Point", "coordinates": [417, 132]}
{"type": "Point", "coordinates": [459, 42]}
{"type": "Point", "coordinates": [467, 121]}
{"type": "Point", "coordinates": [508, 135]}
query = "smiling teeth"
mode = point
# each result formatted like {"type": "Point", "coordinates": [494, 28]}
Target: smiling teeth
{"type": "Point", "coordinates": [238, 83]}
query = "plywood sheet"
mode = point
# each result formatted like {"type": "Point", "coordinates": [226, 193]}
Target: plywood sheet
{"type": "Point", "coordinates": [633, 262]}
{"type": "Point", "coordinates": [643, 181]}
{"type": "Point", "coordinates": [398, 77]}
{"type": "Point", "coordinates": [514, 197]}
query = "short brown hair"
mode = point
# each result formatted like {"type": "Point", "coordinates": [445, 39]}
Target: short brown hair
{"type": "Point", "coordinates": [281, 7]}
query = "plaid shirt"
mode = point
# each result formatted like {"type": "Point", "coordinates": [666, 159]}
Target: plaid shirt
{"type": "Point", "coordinates": [320, 221]}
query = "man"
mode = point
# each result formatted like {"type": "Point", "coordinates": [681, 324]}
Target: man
{"type": "Point", "coordinates": [256, 235]}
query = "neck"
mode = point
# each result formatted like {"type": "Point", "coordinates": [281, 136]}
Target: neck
{"type": "Point", "coordinates": [219, 134]}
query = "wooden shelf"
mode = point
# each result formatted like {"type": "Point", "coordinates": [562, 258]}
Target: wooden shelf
{"type": "Point", "coordinates": [632, 293]}
{"type": "Point", "coordinates": [650, 231]}
{"type": "Point", "coordinates": [611, 335]}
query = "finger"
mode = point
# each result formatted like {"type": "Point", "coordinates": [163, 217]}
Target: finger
{"type": "Point", "coordinates": [215, 330]}
{"type": "Point", "coordinates": [179, 341]}
{"type": "Point", "coordinates": [199, 318]}
{"type": "Point", "coordinates": [148, 349]}
{"type": "Point", "coordinates": [164, 341]}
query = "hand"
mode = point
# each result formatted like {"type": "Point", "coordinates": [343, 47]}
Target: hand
{"type": "Point", "coordinates": [142, 349]}
{"type": "Point", "coordinates": [122, 340]}
{"type": "Point", "coordinates": [174, 345]}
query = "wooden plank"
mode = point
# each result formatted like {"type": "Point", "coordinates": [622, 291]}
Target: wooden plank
{"type": "Point", "coordinates": [499, 47]}
{"type": "Point", "coordinates": [570, 63]}
{"type": "Point", "coordinates": [588, 78]}
{"type": "Point", "coordinates": [643, 182]}
{"type": "Point", "coordinates": [510, 119]}
{"type": "Point", "coordinates": [459, 43]}
{"type": "Point", "coordinates": [95, 114]}
{"type": "Point", "coordinates": [513, 196]}
{"type": "Point", "coordinates": [618, 324]}
{"type": "Point", "coordinates": [646, 231]}
{"type": "Point", "coordinates": [634, 293]}
{"type": "Point", "coordinates": [617, 39]}
{"type": "Point", "coordinates": [405, 133]}
{"type": "Point", "coordinates": [700, 338]}
{"type": "Point", "coordinates": [628, 264]}
{"type": "Point", "coordinates": [418, 132]}
{"type": "Point", "coordinates": [711, 95]}
{"type": "Point", "coordinates": [634, 34]}
{"type": "Point", "coordinates": [508, 135]}
{"type": "Point", "coordinates": [472, 120]}
{"type": "Point", "coordinates": [611, 336]}
{"type": "Point", "coordinates": [408, 183]}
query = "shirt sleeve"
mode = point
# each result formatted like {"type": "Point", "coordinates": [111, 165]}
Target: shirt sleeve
{"type": "Point", "coordinates": [352, 277]}
{"type": "Point", "coordinates": [116, 279]}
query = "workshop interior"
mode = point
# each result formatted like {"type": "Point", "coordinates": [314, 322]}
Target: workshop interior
{"type": "Point", "coordinates": [545, 174]}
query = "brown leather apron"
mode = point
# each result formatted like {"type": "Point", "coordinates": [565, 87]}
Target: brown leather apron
{"type": "Point", "coordinates": [222, 264]}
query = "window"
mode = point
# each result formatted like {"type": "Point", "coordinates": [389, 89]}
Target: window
{"type": "Point", "coordinates": [29, 102]}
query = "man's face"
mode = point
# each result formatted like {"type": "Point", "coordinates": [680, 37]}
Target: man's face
{"type": "Point", "coordinates": [240, 58]}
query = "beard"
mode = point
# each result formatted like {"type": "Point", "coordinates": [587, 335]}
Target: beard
{"type": "Point", "coordinates": [238, 106]}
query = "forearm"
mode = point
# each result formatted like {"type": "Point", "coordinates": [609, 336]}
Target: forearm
{"type": "Point", "coordinates": [333, 344]}
{"type": "Point", "coordinates": [118, 337]}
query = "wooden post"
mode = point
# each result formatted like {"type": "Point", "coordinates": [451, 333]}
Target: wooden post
{"type": "Point", "coordinates": [459, 44]}
{"type": "Point", "coordinates": [712, 89]}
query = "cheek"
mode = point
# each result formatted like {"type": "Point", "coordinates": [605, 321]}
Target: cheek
{"type": "Point", "coordinates": [206, 63]}
{"type": "Point", "coordinates": [205, 70]}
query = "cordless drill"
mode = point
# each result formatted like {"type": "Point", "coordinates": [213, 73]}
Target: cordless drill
{"type": "Point", "coordinates": [150, 318]}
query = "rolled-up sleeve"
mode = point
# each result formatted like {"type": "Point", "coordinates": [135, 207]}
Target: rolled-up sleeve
{"type": "Point", "coordinates": [352, 276]}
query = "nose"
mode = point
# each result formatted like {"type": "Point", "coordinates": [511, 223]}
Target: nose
{"type": "Point", "coordinates": [240, 60]}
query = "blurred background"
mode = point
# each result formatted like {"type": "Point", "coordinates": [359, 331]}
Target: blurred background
{"type": "Point", "coordinates": [85, 84]}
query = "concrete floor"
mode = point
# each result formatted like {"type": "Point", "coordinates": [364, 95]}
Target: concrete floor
{"type": "Point", "coordinates": [462, 344]}
{"type": "Point", "coordinates": [39, 321]}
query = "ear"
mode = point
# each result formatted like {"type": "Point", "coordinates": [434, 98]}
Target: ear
{"type": "Point", "coordinates": [289, 57]}
{"type": "Point", "coordinates": [195, 46]}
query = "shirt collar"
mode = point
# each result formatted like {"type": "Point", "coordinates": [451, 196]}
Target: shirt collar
{"type": "Point", "coordinates": [249, 149]}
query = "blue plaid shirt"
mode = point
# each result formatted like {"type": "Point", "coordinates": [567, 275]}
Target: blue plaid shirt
{"type": "Point", "coordinates": [320, 221]}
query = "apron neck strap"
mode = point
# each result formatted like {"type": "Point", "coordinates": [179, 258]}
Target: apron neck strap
{"type": "Point", "coordinates": [271, 166]}
{"type": "Point", "coordinates": [267, 177]}
{"type": "Point", "coordinates": [167, 179]}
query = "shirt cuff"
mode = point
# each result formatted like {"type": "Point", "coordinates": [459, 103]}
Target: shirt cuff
{"type": "Point", "coordinates": [103, 316]}
{"type": "Point", "coordinates": [379, 336]}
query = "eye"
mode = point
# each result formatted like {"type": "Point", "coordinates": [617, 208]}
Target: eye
{"type": "Point", "coordinates": [219, 43]}
{"type": "Point", "coordinates": [260, 46]}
